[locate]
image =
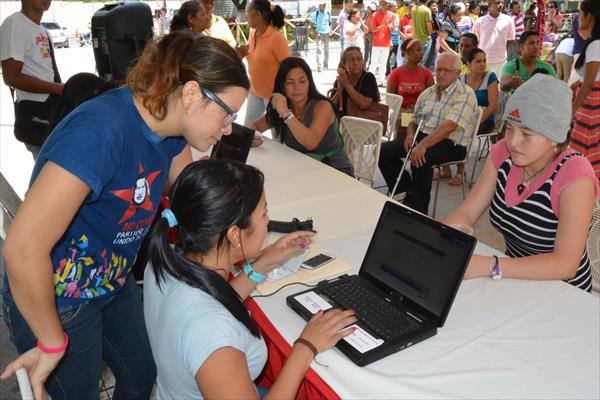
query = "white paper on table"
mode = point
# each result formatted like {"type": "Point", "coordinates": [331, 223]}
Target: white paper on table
{"type": "Point", "coordinates": [362, 340]}
{"type": "Point", "coordinates": [313, 302]}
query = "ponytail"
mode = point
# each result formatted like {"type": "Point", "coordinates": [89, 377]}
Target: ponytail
{"type": "Point", "coordinates": [273, 14]}
{"type": "Point", "coordinates": [178, 58]}
{"type": "Point", "coordinates": [156, 74]}
{"type": "Point", "coordinates": [180, 19]}
{"type": "Point", "coordinates": [207, 199]}
{"type": "Point", "coordinates": [178, 23]}
{"type": "Point", "coordinates": [167, 260]}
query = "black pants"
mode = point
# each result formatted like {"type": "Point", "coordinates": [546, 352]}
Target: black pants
{"type": "Point", "coordinates": [418, 187]}
{"type": "Point", "coordinates": [391, 62]}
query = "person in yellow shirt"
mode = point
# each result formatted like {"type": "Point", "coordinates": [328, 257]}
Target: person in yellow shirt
{"type": "Point", "coordinates": [402, 9]}
{"type": "Point", "coordinates": [218, 26]}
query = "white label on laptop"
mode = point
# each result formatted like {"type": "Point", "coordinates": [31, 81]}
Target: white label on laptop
{"type": "Point", "coordinates": [313, 302]}
{"type": "Point", "coordinates": [362, 340]}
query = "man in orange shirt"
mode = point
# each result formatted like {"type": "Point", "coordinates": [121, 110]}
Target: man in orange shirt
{"type": "Point", "coordinates": [384, 24]}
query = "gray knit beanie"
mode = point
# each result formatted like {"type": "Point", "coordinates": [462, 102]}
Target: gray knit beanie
{"type": "Point", "coordinates": [542, 104]}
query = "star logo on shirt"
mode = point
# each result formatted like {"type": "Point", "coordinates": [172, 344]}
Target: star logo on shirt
{"type": "Point", "coordinates": [139, 196]}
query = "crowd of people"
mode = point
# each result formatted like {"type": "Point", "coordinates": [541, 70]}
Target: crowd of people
{"type": "Point", "coordinates": [69, 296]}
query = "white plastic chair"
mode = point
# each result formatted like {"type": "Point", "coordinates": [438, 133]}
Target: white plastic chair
{"type": "Point", "coordinates": [362, 142]}
{"type": "Point", "coordinates": [394, 102]}
{"type": "Point", "coordinates": [484, 143]}
{"type": "Point", "coordinates": [593, 248]}
{"type": "Point", "coordinates": [472, 135]}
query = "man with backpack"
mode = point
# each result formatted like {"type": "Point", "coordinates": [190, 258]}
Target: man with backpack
{"type": "Point", "coordinates": [322, 21]}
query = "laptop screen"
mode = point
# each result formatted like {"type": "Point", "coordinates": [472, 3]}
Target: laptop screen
{"type": "Point", "coordinates": [419, 258]}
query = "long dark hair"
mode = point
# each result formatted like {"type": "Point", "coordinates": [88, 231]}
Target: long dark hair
{"type": "Point", "coordinates": [472, 53]}
{"type": "Point", "coordinates": [453, 10]}
{"type": "Point", "coordinates": [286, 65]}
{"type": "Point", "coordinates": [593, 7]}
{"type": "Point", "coordinates": [273, 15]}
{"type": "Point", "coordinates": [78, 89]}
{"type": "Point", "coordinates": [208, 198]}
{"type": "Point", "coordinates": [180, 21]}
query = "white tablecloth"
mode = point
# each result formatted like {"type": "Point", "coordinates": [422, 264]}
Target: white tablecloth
{"type": "Point", "coordinates": [502, 339]}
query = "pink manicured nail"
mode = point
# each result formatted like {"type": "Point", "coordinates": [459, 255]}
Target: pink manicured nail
{"type": "Point", "coordinates": [353, 329]}
{"type": "Point", "coordinates": [302, 245]}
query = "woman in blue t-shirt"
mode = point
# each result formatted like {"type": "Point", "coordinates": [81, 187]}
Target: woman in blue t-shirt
{"type": "Point", "coordinates": [485, 86]}
{"type": "Point", "coordinates": [70, 300]}
{"type": "Point", "coordinates": [219, 210]}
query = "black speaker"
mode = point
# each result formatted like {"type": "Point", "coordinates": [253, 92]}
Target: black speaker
{"type": "Point", "coordinates": [119, 33]}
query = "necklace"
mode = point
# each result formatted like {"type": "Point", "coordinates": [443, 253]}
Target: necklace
{"type": "Point", "coordinates": [527, 180]}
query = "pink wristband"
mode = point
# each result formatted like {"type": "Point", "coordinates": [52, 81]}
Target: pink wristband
{"type": "Point", "coordinates": [58, 349]}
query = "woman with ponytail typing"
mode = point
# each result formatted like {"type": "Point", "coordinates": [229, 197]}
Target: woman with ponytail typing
{"type": "Point", "coordinates": [69, 299]}
{"type": "Point", "coordinates": [202, 337]}
{"type": "Point", "coordinates": [267, 48]}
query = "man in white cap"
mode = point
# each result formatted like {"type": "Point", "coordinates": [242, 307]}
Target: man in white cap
{"type": "Point", "coordinates": [448, 110]}
{"type": "Point", "coordinates": [322, 22]}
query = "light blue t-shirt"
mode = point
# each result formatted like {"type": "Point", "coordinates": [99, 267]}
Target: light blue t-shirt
{"type": "Point", "coordinates": [185, 326]}
{"type": "Point", "coordinates": [322, 20]}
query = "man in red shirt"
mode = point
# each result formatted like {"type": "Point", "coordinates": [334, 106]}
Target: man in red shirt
{"type": "Point", "coordinates": [383, 22]}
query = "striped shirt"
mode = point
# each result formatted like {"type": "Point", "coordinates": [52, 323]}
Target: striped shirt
{"type": "Point", "coordinates": [530, 226]}
{"type": "Point", "coordinates": [457, 104]}
{"type": "Point", "coordinates": [519, 24]}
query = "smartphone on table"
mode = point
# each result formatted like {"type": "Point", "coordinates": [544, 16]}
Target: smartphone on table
{"type": "Point", "coordinates": [318, 261]}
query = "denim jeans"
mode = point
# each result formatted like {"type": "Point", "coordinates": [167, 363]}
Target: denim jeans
{"type": "Point", "coordinates": [255, 108]}
{"type": "Point", "coordinates": [111, 329]}
{"type": "Point", "coordinates": [322, 50]}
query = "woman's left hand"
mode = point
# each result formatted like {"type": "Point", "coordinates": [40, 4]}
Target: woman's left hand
{"type": "Point", "coordinates": [272, 256]}
{"type": "Point", "coordinates": [279, 102]}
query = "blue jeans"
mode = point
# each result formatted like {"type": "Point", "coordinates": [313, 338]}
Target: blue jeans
{"type": "Point", "coordinates": [255, 108]}
{"type": "Point", "coordinates": [111, 329]}
{"type": "Point", "coordinates": [322, 50]}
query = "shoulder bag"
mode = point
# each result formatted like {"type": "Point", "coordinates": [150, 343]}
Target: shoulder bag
{"type": "Point", "coordinates": [32, 118]}
{"type": "Point", "coordinates": [376, 111]}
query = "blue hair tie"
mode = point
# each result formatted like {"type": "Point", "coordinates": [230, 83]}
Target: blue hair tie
{"type": "Point", "coordinates": [170, 217]}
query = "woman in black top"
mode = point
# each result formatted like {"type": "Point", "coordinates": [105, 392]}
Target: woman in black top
{"type": "Point", "coordinates": [354, 83]}
{"type": "Point", "coordinates": [449, 33]}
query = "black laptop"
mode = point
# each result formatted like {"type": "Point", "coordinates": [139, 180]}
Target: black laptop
{"type": "Point", "coordinates": [405, 287]}
{"type": "Point", "coordinates": [235, 146]}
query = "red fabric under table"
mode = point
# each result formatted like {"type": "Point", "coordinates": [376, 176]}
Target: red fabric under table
{"type": "Point", "coordinates": [312, 387]}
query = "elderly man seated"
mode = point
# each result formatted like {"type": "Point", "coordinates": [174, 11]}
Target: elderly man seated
{"type": "Point", "coordinates": [448, 110]}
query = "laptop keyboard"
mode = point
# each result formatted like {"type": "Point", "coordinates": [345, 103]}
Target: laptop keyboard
{"type": "Point", "coordinates": [373, 311]}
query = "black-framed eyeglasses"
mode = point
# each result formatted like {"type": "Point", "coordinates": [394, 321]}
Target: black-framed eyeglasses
{"type": "Point", "coordinates": [231, 114]}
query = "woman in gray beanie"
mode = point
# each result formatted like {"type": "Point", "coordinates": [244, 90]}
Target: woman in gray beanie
{"type": "Point", "coordinates": [540, 192]}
